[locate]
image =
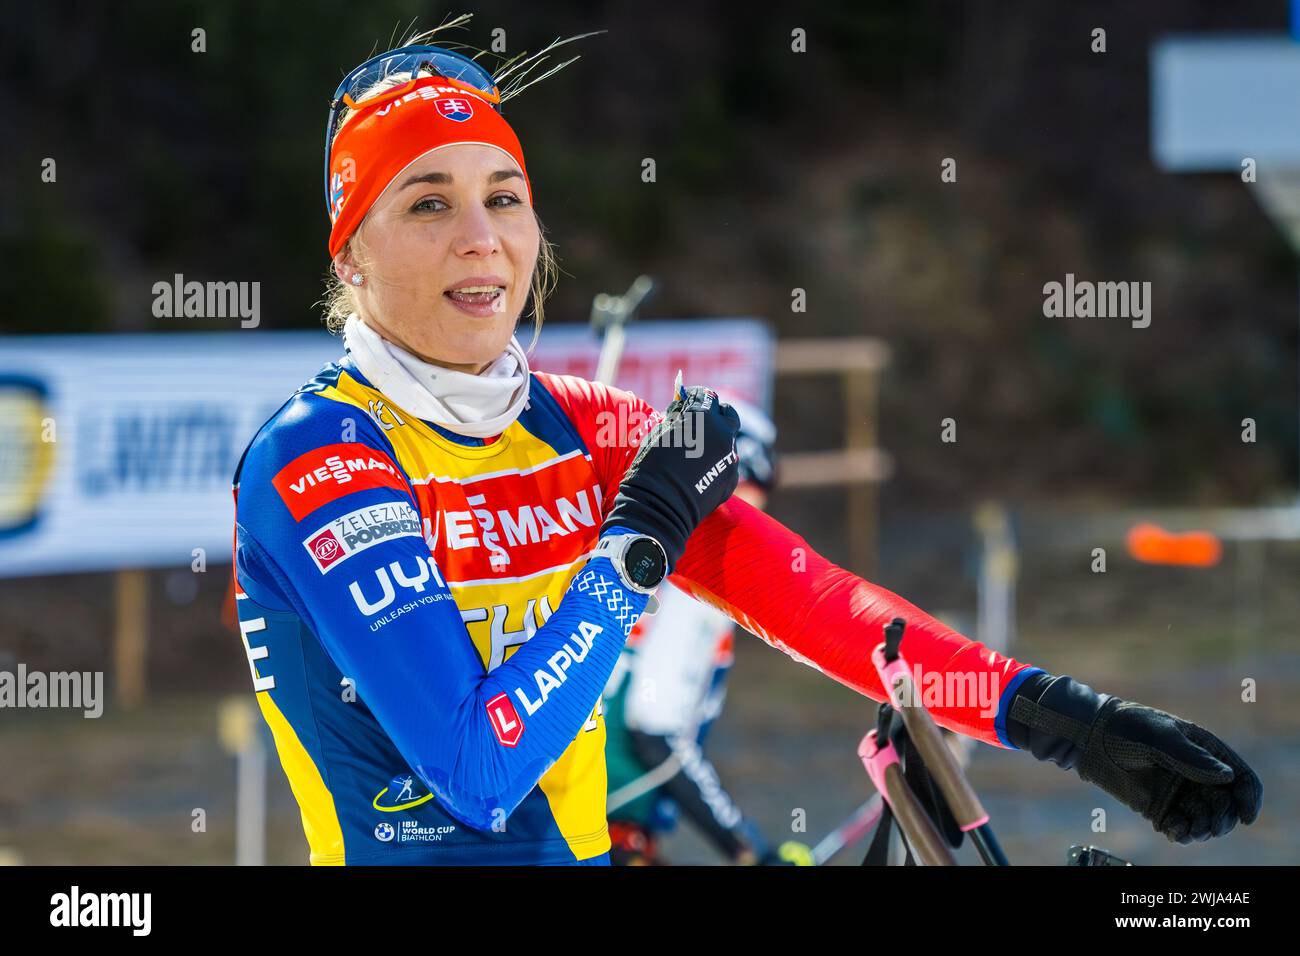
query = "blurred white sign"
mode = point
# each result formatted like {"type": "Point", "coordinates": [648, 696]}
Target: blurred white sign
{"type": "Point", "coordinates": [728, 355]}
{"type": "Point", "coordinates": [118, 450]}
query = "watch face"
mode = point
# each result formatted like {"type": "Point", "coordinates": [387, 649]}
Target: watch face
{"type": "Point", "coordinates": [644, 563]}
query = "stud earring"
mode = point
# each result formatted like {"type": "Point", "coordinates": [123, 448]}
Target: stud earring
{"type": "Point", "coordinates": [357, 279]}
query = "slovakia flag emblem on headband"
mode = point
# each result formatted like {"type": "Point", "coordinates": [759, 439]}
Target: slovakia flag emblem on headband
{"type": "Point", "coordinates": [336, 196]}
{"type": "Point", "coordinates": [456, 108]}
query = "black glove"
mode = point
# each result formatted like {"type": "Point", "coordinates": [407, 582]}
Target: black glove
{"type": "Point", "coordinates": [1182, 778]}
{"type": "Point", "coordinates": [685, 468]}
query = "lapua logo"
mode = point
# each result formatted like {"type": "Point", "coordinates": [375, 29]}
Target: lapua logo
{"type": "Point", "coordinates": [571, 652]}
{"type": "Point", "coordinates": [505, 720]}
{"type": "Point", "coordinates": [324, 474]}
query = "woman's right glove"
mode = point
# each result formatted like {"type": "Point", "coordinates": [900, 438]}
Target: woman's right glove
{"type": "Point", "coordinates": [686, 466]}
{"type": "Point", "coordinates": [1187, 782]}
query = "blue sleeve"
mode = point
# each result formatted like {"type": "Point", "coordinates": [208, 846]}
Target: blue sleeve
{"type": "Point", "coordinates": [480, 741]}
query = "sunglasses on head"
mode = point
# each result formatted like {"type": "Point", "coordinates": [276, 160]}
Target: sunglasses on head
{"type": "Point", "coordinates": [412, 63]}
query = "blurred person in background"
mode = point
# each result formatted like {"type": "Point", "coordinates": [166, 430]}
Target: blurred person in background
{"type": "Point", "coordinates": [439, 552]}
{"type": "Point", "coordinates": [667, 690]}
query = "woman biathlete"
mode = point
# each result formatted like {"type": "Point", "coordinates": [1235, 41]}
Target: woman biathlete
{"type": "Point", "coordinates": [439, 552]}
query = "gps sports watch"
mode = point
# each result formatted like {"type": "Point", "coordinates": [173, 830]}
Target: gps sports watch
{"type": "Point", "coordinates": [639, 559]}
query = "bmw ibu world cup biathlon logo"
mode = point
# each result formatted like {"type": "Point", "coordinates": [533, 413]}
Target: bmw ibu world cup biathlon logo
{"type": "Point", "coordinates": [456, 108]}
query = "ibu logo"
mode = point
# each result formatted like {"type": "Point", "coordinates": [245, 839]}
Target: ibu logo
{"type": "Point", "coordinates": [456, 108]}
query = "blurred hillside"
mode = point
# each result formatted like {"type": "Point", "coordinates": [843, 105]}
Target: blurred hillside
{"type": "Point", "coordinates": [776, 171]}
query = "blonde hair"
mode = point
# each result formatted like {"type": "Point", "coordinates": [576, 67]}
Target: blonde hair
{"type": "Point", "coordinates": [340, 298]}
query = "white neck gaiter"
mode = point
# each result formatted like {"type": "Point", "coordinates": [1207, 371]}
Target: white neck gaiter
{"type": "Point", "coordinates": [478, 406]}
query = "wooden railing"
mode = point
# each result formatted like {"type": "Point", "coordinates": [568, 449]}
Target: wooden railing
{"type": "Point", "coordinates": [860, 465]}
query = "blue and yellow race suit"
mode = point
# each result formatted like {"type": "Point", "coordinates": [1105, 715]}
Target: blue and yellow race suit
{"type": "Point", "coordinates": [429, 636]}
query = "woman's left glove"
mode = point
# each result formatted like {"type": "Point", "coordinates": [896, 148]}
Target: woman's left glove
{"type": "Point", "coordinates": [1182, 778]}
{"type": "Point", "coordinates": [685, 468]}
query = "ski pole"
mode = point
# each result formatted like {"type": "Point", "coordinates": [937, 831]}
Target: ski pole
{"type": "Point", "coordinates": [966, 808]}
{"type": "Point", "coordinates": [856, 826]}
{"type": "Point", "coordinates": [881, 760]}
{"type": "Point", "coordinates": [609, 316]}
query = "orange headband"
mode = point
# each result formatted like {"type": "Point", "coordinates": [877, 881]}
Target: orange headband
{"type": "Point", "coordinates": [391, 131]}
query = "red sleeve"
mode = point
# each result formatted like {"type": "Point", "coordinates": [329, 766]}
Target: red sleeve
{"type": "Point", "coordinates": [610, 421]}
{"type": "Point", "coordinates": [771, 582]}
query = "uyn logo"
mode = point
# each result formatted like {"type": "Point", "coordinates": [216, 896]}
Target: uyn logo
{"type": "Point", "coordinates": [1103, 300]}
{"type": "Point", "coordinates": [208, 300]}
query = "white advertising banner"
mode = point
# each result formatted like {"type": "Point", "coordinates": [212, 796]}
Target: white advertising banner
{"type": "Point", "coordinates": [117, 451]}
